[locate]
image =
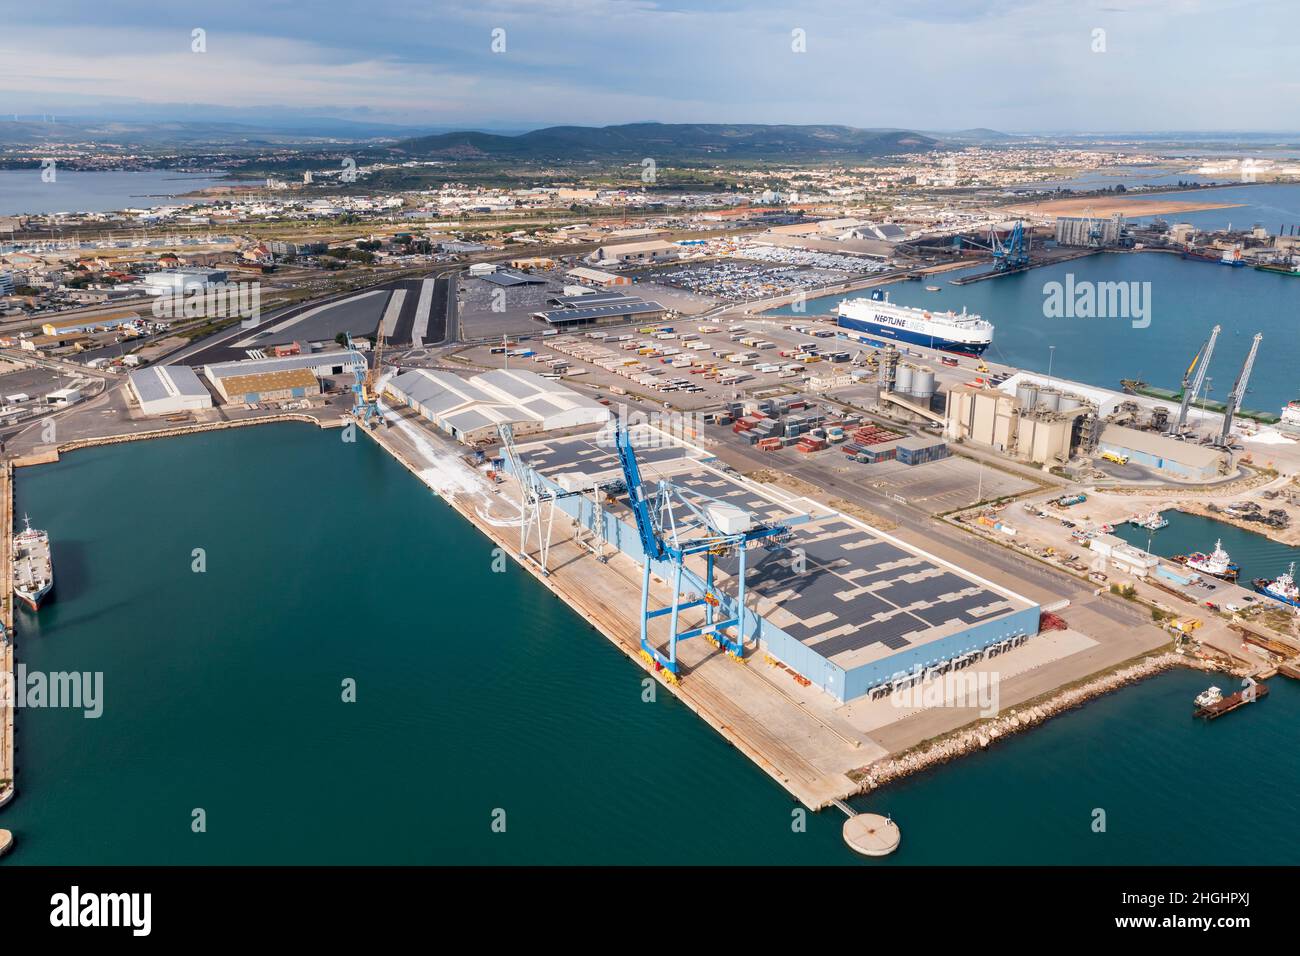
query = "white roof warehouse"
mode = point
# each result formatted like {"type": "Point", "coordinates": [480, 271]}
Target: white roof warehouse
{"type": "Point", "coordinates": [470, 409]}
{"type": "Point", "coordinates": [168, 389]}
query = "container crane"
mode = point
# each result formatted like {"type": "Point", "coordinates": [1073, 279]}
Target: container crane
{"type": "Point", "coordinates": [706, 526]}
{"type": "Point", "coordinates": [534, 497]}
{"type": "Point", "coordinates": [1238, 394]}
{"type": "Point", "coordinates": [1192, 385]}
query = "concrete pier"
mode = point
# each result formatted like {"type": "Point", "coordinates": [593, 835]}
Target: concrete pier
{"type": "Point", "coordinates": [870, 834]}
{"type": "Point", "coordinates": [7, 642]}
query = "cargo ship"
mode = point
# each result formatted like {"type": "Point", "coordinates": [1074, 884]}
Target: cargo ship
{"type": "Point", "coordinates": [1281, 588]}
{"type": "Point", "coordinates": [962, 333]}
{"type": "Point", "coordinates": [1217, 563]}
{"type": "Point", "coordinates": [33, 568]}
{"type": "Point", "coordinates": [1281, 268]}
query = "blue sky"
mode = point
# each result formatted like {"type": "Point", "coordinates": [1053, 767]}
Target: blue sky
{"type": "Point", "coordinates": [923, 64]}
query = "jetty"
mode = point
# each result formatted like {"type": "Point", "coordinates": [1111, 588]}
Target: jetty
{"type": "Point", "coordinates": [7, 638]}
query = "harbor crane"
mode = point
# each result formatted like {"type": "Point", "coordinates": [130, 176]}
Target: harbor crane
{"type": "Point", "coordinates": [1238, 395]}
{"type": "Point", "coordinates": [365, 379]}
{"type": "Point", "coordinates": [537, 497]}
{"type": "Point", "coordinates": [1192, 384]}
{"type": "Point", "coordinates": [674, 524]}
{"type": "Point", "coordinates": [1009, 255]}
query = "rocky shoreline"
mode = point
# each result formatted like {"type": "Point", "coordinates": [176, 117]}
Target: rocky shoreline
{"type": "Point", "coordinates": [979, 736]}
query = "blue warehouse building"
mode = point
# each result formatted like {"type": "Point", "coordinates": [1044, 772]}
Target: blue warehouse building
{"type": "Point", "coordinates": [847, 606]}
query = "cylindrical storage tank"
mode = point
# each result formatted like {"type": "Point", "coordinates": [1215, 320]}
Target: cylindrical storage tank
{"type": "Point", "coordinates": [1070, 402]}
{"type": "Point", "coordinates": [1050, 398]}
{"type": "Point", "coordinates": [903, 380]}
{"type": "Point", "coordinates": [1027, 394]}
{"type": "Point", "coordinates": [923, 383]}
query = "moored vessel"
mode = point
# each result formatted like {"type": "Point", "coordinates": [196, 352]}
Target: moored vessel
{"type": "Point", "coordinates": [1216, 564]}
{"type": "Point", "coordinates": [960, 332]}
{"type": "Point", "coordinates": [1152, 521]}
{"type": "Point", "coordinates": [1281, 588]}
{"type": "Point", "coordinates": [33, 566]}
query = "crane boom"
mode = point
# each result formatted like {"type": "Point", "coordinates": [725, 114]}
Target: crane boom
{"type": "Point", "coordinates": [1239, 391]}
{"type": "Point", "coordinates": [1190, 393]}
{"type": "Point", "coordinates": [650, 540]}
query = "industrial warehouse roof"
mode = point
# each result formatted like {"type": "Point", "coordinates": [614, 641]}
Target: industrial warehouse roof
{"type": "Point", "coordinates": [288, 363]}
{"type": "Point", "coordinates": [860, 595]}
{"type": "Point", "coordinates": [268, 381]}
{"type": "Point", "coordinates": [593, 298]}
{"type": "Point", "coordinates": [512, 278]}
{"type": "Point", "coordinates": [633, 248]}
{"type": "Point", "coordinates": [1186, 453]}
{"type": "Point", "coordinates": [592, 275]}
{"type": "Point", "coordinates": [89, 322]}
{"type": "Point", "coordinates": [166, 381]}
{"type": "Point", "coordinates": [632, 306]}
{"type": "Point", "coordinates": [502, 395]}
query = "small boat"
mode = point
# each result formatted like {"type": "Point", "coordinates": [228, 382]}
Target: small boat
{"type": "Point", "coordinates": [1209, 697]}
{"type": "Point", "coordinates": [1217, 564]}
{"type": "Point", "coordinates": [1281, 588]}
{"type": "Point", "coordinates": [933, 288]}
{"type": "Point", "coordinates": [1152, 521]}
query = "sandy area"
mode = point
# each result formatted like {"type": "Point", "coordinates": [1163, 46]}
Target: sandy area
{"type": "Point", "coordinates": [1110, 205]}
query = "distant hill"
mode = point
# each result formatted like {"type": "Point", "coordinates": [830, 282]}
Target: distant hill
{"type": "Point", "coordinates": [671, 141]}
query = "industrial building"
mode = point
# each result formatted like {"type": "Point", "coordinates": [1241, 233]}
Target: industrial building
{"type": "Point", "coordinates": [1085, 231]}
{"type": "Point", "coordinates": [89, 323]}
{"type": "Point", "coordinates": [595, 277]}
{"type": "Point", "coordinates": [1043, 425]}
{"type": "Point", "coordinates": [168, 390]}
{"type": "Point", "coordinates": [181, 281]}
{"type": "Point", "coordinates": [471, 409]}
{"type": "Point", "coordinates": [637, 253]}
{"type": "Point", "coordinates": [321, 364]}
{"type": "Point", "coordinates": [258, 387]}
{"type": "Point", "coordinates": [846, 606]}
{"type": "Point", "coordinates": [6, 283]}
{"type": "Point", "coordinates": [1187, 460]}
{"type": "Point", "coordinates": [600, 309]}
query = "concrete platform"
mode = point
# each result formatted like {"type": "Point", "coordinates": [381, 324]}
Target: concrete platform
{"type": "Point", "coordinates": [871, 834]}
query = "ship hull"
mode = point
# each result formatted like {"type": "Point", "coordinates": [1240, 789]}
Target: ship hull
{"type": "Point", "coordinates": [34, 601]}
{"type": "Point", "coordinates": [1229, 575]}
{"type": "Point", "coordinates": [1261, 586]}
{"type": "Point", "coordinates": [889, 333]}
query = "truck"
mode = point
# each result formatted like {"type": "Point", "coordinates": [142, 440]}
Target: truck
{"type": "Point", "coordinates": [1115, 457]}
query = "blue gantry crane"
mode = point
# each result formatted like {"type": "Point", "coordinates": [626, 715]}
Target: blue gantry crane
{"type": "Point", "coordinates": [705, 526]}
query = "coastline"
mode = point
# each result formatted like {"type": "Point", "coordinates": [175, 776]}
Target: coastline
{"type": "Point", "coordinates": [816, 787]}
{"type": "Point", "coordinates": [980, 734]}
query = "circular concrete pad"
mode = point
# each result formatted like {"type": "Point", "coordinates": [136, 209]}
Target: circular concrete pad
{"type": "Point", "coordinates": [871, 834]}
{"type": "Point", "coordinates": [6, 841]}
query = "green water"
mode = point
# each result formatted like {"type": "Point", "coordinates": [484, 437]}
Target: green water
{"type": "Point", "coordinates": [1258, 556]}
{"type": "Point", "coordinates": [478, 691]}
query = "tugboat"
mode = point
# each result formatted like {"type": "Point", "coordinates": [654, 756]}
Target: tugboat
{"type": "Point", "coordinates": [1217, 564]}
{"type": "Point", "coordinates": [1153, 521]}
{"type": "Point", "coordinates": [1281, 588]}
{"type": "Point", "coordinates": [1207, 698]}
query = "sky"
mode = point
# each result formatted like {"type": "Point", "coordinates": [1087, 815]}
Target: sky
{"type": "Point", "coordinates": [1011, 65]}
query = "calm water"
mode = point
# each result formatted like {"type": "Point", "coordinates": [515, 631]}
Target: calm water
{"type": "Point", "coordinates": [479, 691]}
{"type": "Point", "coordinates": [23, 190]}
{"type": "Point", "coordinates": [1186, 300]}
{"type": "Point", "coordinates": [1258, 556]}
